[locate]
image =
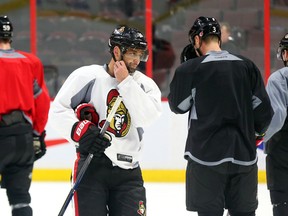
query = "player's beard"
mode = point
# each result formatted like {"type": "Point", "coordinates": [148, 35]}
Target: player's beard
{"type": "Point", "coordinates": [131, 67]}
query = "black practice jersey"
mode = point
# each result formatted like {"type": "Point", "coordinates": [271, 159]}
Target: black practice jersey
{"type": "Point", "coordinates": [227, 103]}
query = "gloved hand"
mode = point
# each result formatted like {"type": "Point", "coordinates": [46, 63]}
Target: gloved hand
{"type": "Point", "coordinates": [39, 145]}
{"type": "Point", "coordinates": [89, 138]}
{"type": "Point", "coordinates": [259, 139]}
{"type": "Point", "coordinates": [188, 53]}
{"type": "Point", "coordinates": [86, 111]}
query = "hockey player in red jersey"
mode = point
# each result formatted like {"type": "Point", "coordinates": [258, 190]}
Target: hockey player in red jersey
{"type": "Point", "coordinates": [24, 110]}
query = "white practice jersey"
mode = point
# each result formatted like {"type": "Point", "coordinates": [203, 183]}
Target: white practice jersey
{"type": "Point", "coordinates": [140, 107]}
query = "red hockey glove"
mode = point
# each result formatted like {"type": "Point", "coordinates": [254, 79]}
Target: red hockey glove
{"type": "Point", "coordinates": [86, 111]}
{"type": "Point", "coordinates": [39, 145]}
{"type": "Point", "coordinates": [89, 138]}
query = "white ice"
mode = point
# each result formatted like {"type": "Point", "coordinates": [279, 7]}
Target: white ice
{"type": "Point", "coordinates": [162, 199]}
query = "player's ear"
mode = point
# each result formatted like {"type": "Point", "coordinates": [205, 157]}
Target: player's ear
{"type": "Point", "coordinates": [117, 53]}
{"type": "Point", "coordinates": [196, 41]}
{"type": "Point", "coordinates": [285, 55]}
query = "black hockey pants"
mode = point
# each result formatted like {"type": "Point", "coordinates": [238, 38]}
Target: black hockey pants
{"type": "Point", "coordinates": [16, 163]}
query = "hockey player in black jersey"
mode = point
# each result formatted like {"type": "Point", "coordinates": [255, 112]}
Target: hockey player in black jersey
{"type": "Point", "coordinates": [227, 104]}
{"type": "Point", "coordinates": [276, 146]}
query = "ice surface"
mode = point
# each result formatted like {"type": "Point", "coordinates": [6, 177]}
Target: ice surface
{"type": "Point", "coordinates": [162, 199]}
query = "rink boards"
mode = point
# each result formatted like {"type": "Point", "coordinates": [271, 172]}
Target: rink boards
{"type": "Point", "coordinates": [162, 159]}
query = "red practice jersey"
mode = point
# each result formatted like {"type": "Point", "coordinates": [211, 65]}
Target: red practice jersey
{"type": "Point", "coordinates": [22, 87]}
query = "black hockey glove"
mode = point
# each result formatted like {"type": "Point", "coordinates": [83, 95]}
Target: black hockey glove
{"type": "Point", "coordinates": [39, 145]}
{"type": "Point", "coordinates": [188, 53]}
{"type": "Point", "coordinates": [89, 138]}
{"type": "Point", "coordinates": [86, 111]}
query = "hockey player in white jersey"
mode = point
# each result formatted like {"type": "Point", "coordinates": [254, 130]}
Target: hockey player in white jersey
{"type": "Point", "coordinates": [113, 184]}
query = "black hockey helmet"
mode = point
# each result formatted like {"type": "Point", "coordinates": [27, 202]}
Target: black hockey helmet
{"type": "Point", "coordinates": [6, 28]}
{"type": "Point", "coordinates": [204, 26]}
{"type": "Point", "coordinates": [126, 37]}
{"type": "Point", "coordinates": [283, 45]}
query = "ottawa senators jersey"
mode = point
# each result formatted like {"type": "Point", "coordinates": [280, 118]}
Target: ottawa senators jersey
{"type": "Point", "coordinates": [140, 107]}
{"type": "Point", "coordinates": [22, 87]}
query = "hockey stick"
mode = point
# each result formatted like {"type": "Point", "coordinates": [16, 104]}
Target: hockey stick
{"type": "Point", "coordinates": [89, 157]}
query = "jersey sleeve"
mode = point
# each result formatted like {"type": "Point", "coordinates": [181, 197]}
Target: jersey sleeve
{"type": "Point", "coordinates": [41, 98]}
{"type": "Point", "coordinates": [73, 92]}
{"type": "Point", "coordinates": [262, 108]}
{"type": "Point", "coordinates": [278, 94]}
{"type": "Point", "coordinates": [180, 97]}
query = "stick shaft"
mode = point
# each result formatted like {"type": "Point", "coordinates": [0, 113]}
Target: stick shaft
{"type": "Point", "coordinates": [111, 114]}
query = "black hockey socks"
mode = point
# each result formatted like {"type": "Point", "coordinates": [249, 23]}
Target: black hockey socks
{"type": "Point", "coordinates": [26, 211]}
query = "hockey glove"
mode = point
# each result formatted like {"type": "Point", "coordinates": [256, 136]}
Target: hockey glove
{"type": "Point", "coordinates": [86, 111]}
{"type": "Point", "coordinates": [89, 138]}
{"type": "Point", "coordinates": [188, 53]}
{"type": "Point", "coordinates": [39, 145]}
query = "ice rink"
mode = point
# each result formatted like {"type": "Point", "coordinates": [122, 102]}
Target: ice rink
{"type": "Point", "coordinates": [163, 199]}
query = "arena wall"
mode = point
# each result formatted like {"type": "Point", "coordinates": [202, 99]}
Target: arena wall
{"type": "Point", "coordinates": [162, 159]}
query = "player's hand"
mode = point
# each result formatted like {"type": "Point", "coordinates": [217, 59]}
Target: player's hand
{"type": "Point", "coordinates": [188, 53]}
{"type": "Point", "coordinates": [87, 111]}
{"type": "Point", "coordinates": [120, 71]}
{"type": "Point", "coordinates": [89, 138]}
{"type": "Point", "coordinates": [39, 145]}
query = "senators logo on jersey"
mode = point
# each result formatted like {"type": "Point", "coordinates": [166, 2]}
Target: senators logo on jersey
{"type": "Point", "coordinates": [142, 210]}
{"type": "Point", "coordinates": [121, 122]}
